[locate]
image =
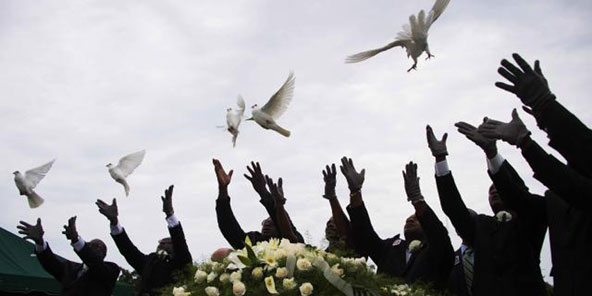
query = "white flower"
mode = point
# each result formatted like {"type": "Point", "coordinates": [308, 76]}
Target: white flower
{"type": "Point", "coordinates": [414, 246]}
{"type": "Point", "coordinates": [235, 276]}
{"type": "Point", "coordinates": [200, 276]}
{"type": "Point", "coordinates": [289, 284]}
{"type": "Point", "coordinates": [218, 267]}
{"type": "Point", "coordinates": [212, 291]}
{"type": "Point", "coordinates": [281, 273]}
{"type": "Point", "coordinates": [269, 260]}
{"type": "Point", "coordinates": [360, 261]}
{"type": "Point", "coordinates": [338, 271]}
{"type": "Point", "coordinates": [238, 288]}
{"type": "Point", "coordinates": [257, 272]}
{"type": "Point", "coordinates": [270, 285]}
{"type": "Point", "coordinates": [306, 289]}
{"type": "Point", "coordinates": [224, 278]}
{"type": "Point", "coordinates": [303, 264]}
{"type": "Point", "coordinates": [503, 216]}
{"type": "Point", "coordinates": [180, 291]}
{"type": "Point", "coordinates": [279, 254]}
{"type": "Point", "coordinates": [331, 256]}
{"type": "Point", "coordinates": [212, 276]}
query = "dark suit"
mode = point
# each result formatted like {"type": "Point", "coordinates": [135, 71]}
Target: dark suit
{"type": "Point", "coordinates": [155, 272]}
{"type": "Point", "coordinates": [99, 279]}
{"type": "Point", "coordinates": [456, 281]}
{"type": "Point", "coordinates": [505, 263]}
{"type": "Point", "coordinates": [431, 263]}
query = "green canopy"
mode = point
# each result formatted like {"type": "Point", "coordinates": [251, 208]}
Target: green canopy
{"type": "Point", "coordinates": [21, 272]}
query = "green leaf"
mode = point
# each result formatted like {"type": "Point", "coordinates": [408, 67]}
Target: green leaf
{"type": "Point", "coordinates": [246, 261]}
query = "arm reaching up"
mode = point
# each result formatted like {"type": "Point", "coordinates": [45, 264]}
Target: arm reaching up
{"type": "Point", "coordinates": [277, 192]}
{"type": "Point", "coordinates": [341, 221]}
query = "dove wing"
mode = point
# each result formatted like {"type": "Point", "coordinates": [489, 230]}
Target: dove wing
{"type": "Point", "coordinates": [402, 40]}
{"type": "Point", "coordinates": [241, 105]}
{"type": "Point", "coordinates": [436, 11]}
{"type": "Point", "coordinates": [35, 175]}
{"type": "Point", "coordinates": [277, 105]}
{"type": "Point", "coordinates": [130, 162]}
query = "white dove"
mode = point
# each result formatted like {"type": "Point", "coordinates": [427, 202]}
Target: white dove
{"type": "Point", "coordinates": [125, 167]}
{"type": "Point", "coordinates": [234, 118]}
{"type": "Point", "coordinates": [275, 107]}
{"type": "Point", "coordinates": [414, 37]}
{"type": "Point", "coordinates": [29, 181]}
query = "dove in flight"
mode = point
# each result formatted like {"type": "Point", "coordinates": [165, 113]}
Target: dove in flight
{"type": "Point", "coordinates": [414, 37]}
{"type": "Point", "coordinates": [234, 118]}
{"type": "Point", "coordinates": [27, 182]}
{"type": "Point", "coordinates": [125, 167]}
{"type": "Point", "coordinates": [275, 107]}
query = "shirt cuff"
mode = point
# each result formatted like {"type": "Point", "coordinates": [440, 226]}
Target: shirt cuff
{"type": "Point", "coordinates": [39, 249]}
{"type": "Point", "coordinates": [79, 244]}
{"type": "Point", "coordinates": [495, 163]}
{"type": "Point", "coordinates": [116, 229]}
{"type": "Point", "coordinates": [442, 168]}
{"type": "Point", "coordinates": [172, 221]}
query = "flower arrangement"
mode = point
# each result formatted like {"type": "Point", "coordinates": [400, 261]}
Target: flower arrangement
{"type": "Point", "coordinates": [282, 268]}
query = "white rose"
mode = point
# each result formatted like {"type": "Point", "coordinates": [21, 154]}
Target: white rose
{"type": "Point", "coordinates": [224, 278]}
{"type": "Point", "coordinates": [503, 216]}
{"type": "Point", "coordinates": [235, 276]}
{"type": "Point", "coordinates": [306, 289]}
{"type": "Point", "coordinates": [360, 261]}
{"type": "Point", "coordinates": [279, 254]}
{"type": "Point", "coordinates": [212, 291]}
{"type": "Point", "coordinates": [414, 246]}
{"type": "Point", "coordinates": [338, 271]}
{"type": "Point", "coordinates": [218, 267]}
{"type": "Point", "coordinates": [200, 276]}
{"type": "Point", "coordinates": [180, 291]}
{"type": "Point", "coordinates": [238, 288]}
{"type": "Point", "coordinates": [257, 272]}
{"type": "Point", "coordinates": [303, 264]}
{"type": "Point", "coordinates": [281, 273]}
{"type": "Point", "coordinates": [212, 276]}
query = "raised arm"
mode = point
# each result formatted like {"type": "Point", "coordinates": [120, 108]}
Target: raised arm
{"type": "Point", "coordinates": [277, 192]}
{"type": "Point", "coordinates": [126, 247]}
{"type": "Point", "coordinates": [341, 221]}
{"type": "Point", "coordinates": [450, 198]}
{"type": "Point", "coordinates": [259, 183]}
{"type": "Point", "coordinates": [182, 254]}
{"type": "Point", "coordinates": [44, 254]}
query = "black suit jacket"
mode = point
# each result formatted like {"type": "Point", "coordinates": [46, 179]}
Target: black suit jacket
{"type": "Point", "coordinates": [505, 263]}
{"type": "Point", "coordinates": [431, 263]}
{"type": "Point", "coordinates": [99, 279]}
{"type": "Point", "coordinates": [155, 272]}
{"type": "Point", "coordinates": [456, 281]}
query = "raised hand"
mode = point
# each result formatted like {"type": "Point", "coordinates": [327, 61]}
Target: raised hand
{"type": "Point", "coordinates": [277, 191]}
{"type": "Point", "coordinates": [354, 179]}
{"type": "Point", "coordinates": [528, 84]}
{"type": "Point", "coordinates": [70, 230]}
{"type": "Point", "coordinates": [109, 211]}
{"type": "Point", "coordinates": [167, 201]}
{"type": "Point", "coordinates": [223, 178]}
{"type": "Point", "coordinates": [487, 144]}
{"type": "Point", "coordinates": [513, 132]}
{"type": "Point", "coordinates": [32, 232]}
{"type": "Point", "coordinates": [438, 148]}
{"type": "Point", "coordinates": [329, 176]}
{"type": "Point", "coordinates": [412, 182]}
{"type": "Point", "coordinates": [258, 180]}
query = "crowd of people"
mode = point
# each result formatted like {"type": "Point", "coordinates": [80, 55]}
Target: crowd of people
{"type": "Point", "coordinates": [499, 253]}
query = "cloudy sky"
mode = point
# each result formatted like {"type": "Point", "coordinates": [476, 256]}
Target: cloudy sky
{"type": "Point", "coordinates": [87, 82]}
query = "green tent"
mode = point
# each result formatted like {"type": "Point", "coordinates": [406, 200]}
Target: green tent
{"type": "Point", "coordinates": [21, 273]}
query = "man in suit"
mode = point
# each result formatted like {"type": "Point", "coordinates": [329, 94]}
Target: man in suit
{"type": "Point", "coordinates": [93, 276]}
{"type": "Point", "coordinates": [425, 254]}
{"type": "Point", "coordinates": [156, 268]}
{"type": "Point", "coordinates": [229, 226]}
{"type": "Point", "coordinates": [461, 274]}
{"type": "Point", "coordinates": [505, 262]}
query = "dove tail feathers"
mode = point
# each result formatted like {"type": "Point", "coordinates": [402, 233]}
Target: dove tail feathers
{"type": "Point", "coordinates": [34, 200]}
{"type": "Point", "coordinates": [284, 132]}
{"type": "Point", "coordinates": [364, 55]}
{"type": "Point", "coordinates": [125, 186]}
{"type": "Point", "coordinates": [234, 140]}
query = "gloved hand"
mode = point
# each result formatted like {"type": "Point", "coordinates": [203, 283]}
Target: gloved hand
{"type": "Point", "coordinates": [109, 211]}
{"type": "Point", "coordinates": [438, 148]}
{"type": "Point", "coordinates": [329, 176]}
{"type": "Point", "coordinates": [513, 132]}
{"type": "Point", "coordinates": [32, 232]}
{"type": "Point", "coordinates": [70, 230]}
{"type": "Point", "coordinates": [412, 182]}
{"type": "Point", "coordinates": [277, 191]}
{"type": "Point", "coordinates": [354, 179]}
{"type": "Point", "coordinates": [487, 144]}
{"type": "Point", "coordinates": [167, 201]}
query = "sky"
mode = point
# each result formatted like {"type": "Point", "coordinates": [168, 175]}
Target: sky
{"type": "Point", "coordinates": [87, 82]}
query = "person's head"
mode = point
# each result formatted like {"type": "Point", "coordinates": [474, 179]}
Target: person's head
{"type": "Point", "coordinates": [412, 228]}
{"type": "Point", "coordinates": [98, 248]}
{"type": "Point", "coordinates": [268, 228]}
{"type": "Point", "coordinates": [473, 215]}
{"type": "Point", "coordinates": [165, 244]}
{"type": "Point", "coordinates": [220, 254]}
{"type": "Point", "coordinates": [331, 233]}
{"type": "Point", "coordinates": [495, 201]}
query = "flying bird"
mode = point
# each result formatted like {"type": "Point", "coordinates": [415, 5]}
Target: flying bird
{"type": "Point", "coordinates": [275, 107]}
{"type": "Point", "coordinates": [234, 118]}
{"type": "Point", "coordinates": [414, 37]}
{"type": "Point", "coordinates": [26, 183]}
{"type": "Point", "coordinates": [125, 167]}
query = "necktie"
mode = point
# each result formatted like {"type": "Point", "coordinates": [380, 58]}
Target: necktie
{"type": "Point", "coordinates": [468, 269]}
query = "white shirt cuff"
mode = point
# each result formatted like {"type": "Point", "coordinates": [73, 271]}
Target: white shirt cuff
{"type": "Point", "coordinates": [79, 244]}
{"type": "Point", "coordinates": [116, 229]}
{"type": "Point", "coordinates": [39, 249]}
{"type": "Point", "coordinates": [172, 221]}
{"type": "Point", "coordinates": [495, 163]}
{"type": "Point", "coordinates": [442, 168]}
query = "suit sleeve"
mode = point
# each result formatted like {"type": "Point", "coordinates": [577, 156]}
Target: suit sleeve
{"type": "Point", "coordinates": [182, 254]}
{"type": "Point", "coordinates": [530, 208]}
{"type": "Point", "coordinates": [51, 263]}
{"type": "Point", "coordinates": [440, 247]}
{"type": "Point", "coordinates": [107, 271]}
{"type": "Point", "coordinates": [229, 226]}
{"type": "Point", "coordinates": [366, 238]}
{"type": "Point", "coordinates": [130, 252]}
{"type": "Point", "coordinates": [454, 207]}
{"type": "Point", "coordinates": [574, 188]}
